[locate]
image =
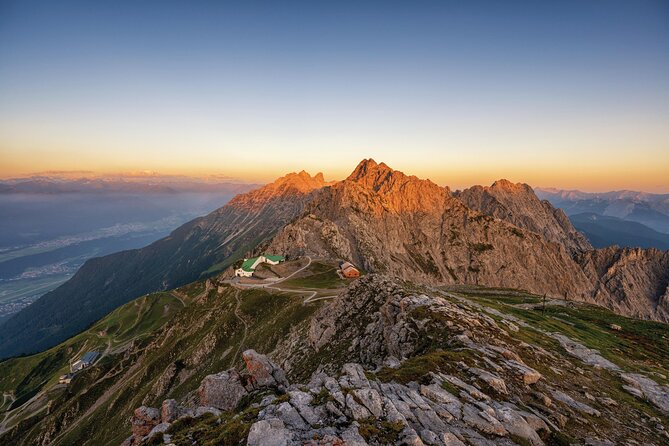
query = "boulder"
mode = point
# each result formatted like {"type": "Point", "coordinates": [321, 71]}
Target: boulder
{"type": "Point", "coordinates": [494, 381]}
{"type": "Point", "coordinates": [516, 425]}
{"type": "Point", "coordinates": [169, 411]}
{"type": "Point", "coordinates": [270, 432]}
{"type": "Point", "coordinates": [144, 420]}
{"type": "Point", "coordinates": [371, 399]}
{"type": "Point", "coordinates": [263, 371]}
{"type": "Point", "coordinates": [527, 374]}
{"type": "Point", "coordinates": [222, 390]}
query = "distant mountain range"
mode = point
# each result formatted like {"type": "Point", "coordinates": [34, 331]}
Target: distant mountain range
{"type": "Point", "coordinates": [603, 231]}
{"type": "Point", "coordinates": [651, 210]}
{"type": "Point", "coordinates": [47, 185]}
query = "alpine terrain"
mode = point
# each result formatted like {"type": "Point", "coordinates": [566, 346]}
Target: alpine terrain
{"type": "Point", "coordinates": [481, 317]}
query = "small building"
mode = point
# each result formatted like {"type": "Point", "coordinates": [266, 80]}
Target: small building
{"type": "Point", "coordinates": [274, 260]}
{"type": "Point", "coordinates": [66, 378]}
{"type": "Point", "coordinates": [249, 265]}
{"type": "Point", "coordinates": [247, 268]}
{"type": "Point", "coordinates": [348, 270]}
{"type": "Point", "coordinates": [85, 361]}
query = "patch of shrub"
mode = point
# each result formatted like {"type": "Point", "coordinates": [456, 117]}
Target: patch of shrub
{"type": "Point", "coordinates": [482, 247]}
{"type": "Point", "coordinates": [380, 432]}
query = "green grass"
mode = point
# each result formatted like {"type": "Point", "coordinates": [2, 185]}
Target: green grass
{"type": "Point", "coordinates": [417, 368]}
{"type": "Point", "coordinates": [200, 338]}
{"type": "Point", "coordinates": [639, 345]}
{"type": "Point", "coordinates": [318, 275]}
{"type": "Point", "coordinates": [26, 376]}
{"type": "Point", "coordinates": [380, 431]}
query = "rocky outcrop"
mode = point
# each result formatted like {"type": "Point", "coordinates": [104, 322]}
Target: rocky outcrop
{"type": "Point", "coordinates": [396, 364]}
{"type": "Point", "coordinates": [223, 390]}
{"type": "Point", "coordinates": [518, 205]}
{"type": "Point", "coordinates": [498, 236]}
{"type": "Point", "coordinates": [263, 371]}
{"type": "Point", "coordinates": [389, 222]}
{"type": "Point", "coordinates": [144, 420]}
{"type": "Point", "coordinates": [630, 281]}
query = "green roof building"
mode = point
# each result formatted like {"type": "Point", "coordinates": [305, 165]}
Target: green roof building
{"type": "Point", "coordinates": [249, 265]}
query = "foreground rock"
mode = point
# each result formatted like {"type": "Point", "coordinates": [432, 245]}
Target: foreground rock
{"type": "Point", "coordinates": [392, 366]}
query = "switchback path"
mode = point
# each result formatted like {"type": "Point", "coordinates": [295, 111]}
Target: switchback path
{"type": "Point", "coordinates": [246, 327]}
{"type": "Point", "coordinates": [311, 295]}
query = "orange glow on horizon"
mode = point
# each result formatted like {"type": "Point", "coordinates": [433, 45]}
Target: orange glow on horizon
{"type": "Point", "coordinates": [649, 176]}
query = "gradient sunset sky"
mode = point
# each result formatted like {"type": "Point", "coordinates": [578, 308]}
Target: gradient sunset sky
{"type": "Point", "coordinates": [571, 94]}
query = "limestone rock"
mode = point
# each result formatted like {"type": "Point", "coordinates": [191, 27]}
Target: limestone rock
{"type": "Point", "coordinates": [144, 420]}
{"type": "Point", "coordinates": [222, 390]}
{"type": "Point", "coordinates": [263, 371]}
{"type": "Point", "coordinates": [569, 401]}
{"type": "Point", "coordinates": [270, 432]}
{"type": "Point", "coordinates": [646, 387]}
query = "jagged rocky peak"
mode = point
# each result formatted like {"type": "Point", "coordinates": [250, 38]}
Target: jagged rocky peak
{"type": "Point", "coordinates": [377, 184]}
{"type": "Point", "coordinates": [380, 177]}
{"type": "Point", "coordinates": [301, 181]}
{"type": "Point", "coordinates": [517, 204]}
{"type": "Point", "coordinates": [292, 184]}
{"type": "Point", "coordinates": [507, 185]}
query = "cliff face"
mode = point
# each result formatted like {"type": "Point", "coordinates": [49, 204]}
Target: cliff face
{"type": "Point", "coordinates": [631, 281]}
{"type": "Point", "coordinates": [498, 236]}
{"type": "Point", "coordinates": [387, 221]}
{"type": "Point", "coordinates": [208, 243]}
{"type": "Point", "coordinates": [518, 205]}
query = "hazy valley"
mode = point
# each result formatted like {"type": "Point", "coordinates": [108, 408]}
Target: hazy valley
{"type": "Point", "coordinates": [50, 227]}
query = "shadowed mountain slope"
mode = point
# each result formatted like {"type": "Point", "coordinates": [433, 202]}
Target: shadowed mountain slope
{"type": "Point", "coordinates": [204, 245]}
{"type": "Point", "coordinates": [604, 231]}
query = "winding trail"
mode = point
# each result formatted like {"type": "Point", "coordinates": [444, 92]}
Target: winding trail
{"type": "Point", "coordinates": [246, 326]}
{"type": "Point", "coordinates": [272, 286]}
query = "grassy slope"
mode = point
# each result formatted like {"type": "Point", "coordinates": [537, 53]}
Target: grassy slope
{"type": "Point", "coordinates": [26, 375]}
{"type": "Point", "coordinates": [638, 346]}
{"type": "Point", "coordinates": [169, 362]}
{"type": "Point", "coordinates": [318, 276]}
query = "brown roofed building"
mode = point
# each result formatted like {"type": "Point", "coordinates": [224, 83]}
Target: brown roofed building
{"type": "Point", "coordinates": [349, 271]}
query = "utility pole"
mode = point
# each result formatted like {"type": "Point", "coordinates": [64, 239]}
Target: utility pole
{"type": "Point", "coordinates": [543, 311]}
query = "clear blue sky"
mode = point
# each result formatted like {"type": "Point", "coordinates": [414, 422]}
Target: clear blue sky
{"type": "Point", "coordinates": [570, 93]}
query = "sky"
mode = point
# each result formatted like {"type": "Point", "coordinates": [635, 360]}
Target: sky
{"type": "Point", "coordinates": [570, 94]}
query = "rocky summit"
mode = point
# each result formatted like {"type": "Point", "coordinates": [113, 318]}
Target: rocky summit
{"type": "Point", "coordinates": [500, 236]}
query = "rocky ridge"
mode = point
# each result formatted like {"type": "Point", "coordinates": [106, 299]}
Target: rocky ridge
{"type": "Point", "coordinates": [388, 222]}
{"type": "Point", "coordinates": [518, 205]}
{"type": "Point", "coordinates": [633, 281]}
{"type": "Point", "coordinates": [419, 368]}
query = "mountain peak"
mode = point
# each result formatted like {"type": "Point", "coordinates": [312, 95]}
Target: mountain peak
{"type": "Point", "coordinates": [364, 168]}
{"type": "Point", "coordinates": [289, 185]}
{"type": "Point", "coordinates": [507, 185]}
{"type": "Point", "coordinates": [371, 174]}
{"type": "Point", "coordinates": [301, 181]}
